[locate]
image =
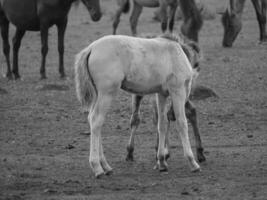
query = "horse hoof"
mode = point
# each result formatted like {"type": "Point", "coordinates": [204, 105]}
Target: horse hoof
{"type": "Point", "coordinates": [129, 158]}
{"type": "Point", "coordinates": [201, 158]}
{"type": "Point", "coordinates": [63, 76]}
{"type": "Point", "coordinates": [16, 77]}
{"type": "Point", "coordinates": [167, 156]}
{"type": "Point", "coordinates": [130, 151]}
{"type": "Point", "coordinates": [99, 175]}
{"type": "Point", "coordinates": [196, 170]}
{"type": "Point", "coordinates": [163, 169]}
{"type": "Point", "coordinates": [9, 76]}
{"type": "Point", "coordinates": [200, 155]}
{"type": "Point", "coordinates": [108, 173]}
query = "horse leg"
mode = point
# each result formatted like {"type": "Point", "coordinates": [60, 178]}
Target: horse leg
{"type": "Point", "coordinates": [4, 26]}
{"type": "Point", "coordinates": [161, 159]}
{"type": "Point", "coordinates": [172, 11]}
{"type": "Point", "coordinates": [261, 17]}
{"type": "Point", "coordinates": [44, 49]}
{"type": "Point", "coordinates": [191, 114]}
{"type": "Point", "coordinates": [167, 144]}
{"type": "Point", "coordinates": [61, 33]}
{"type": "Point", "coordinates": [16, 45]}
{"type": "Point", "coordinates": [164, 16]}
{"type": "Point", "coordinates": [96, 119]}
{"type": "Point", "coordinates": [178, 98]}
{"type": "Point", "coordinates": [117, 17]}
{"type": "Point", "coordinates": [137, 9]}
{"type": "Point", "coordinates": [135, 121]}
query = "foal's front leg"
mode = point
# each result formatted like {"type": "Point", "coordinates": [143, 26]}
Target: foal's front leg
{"type": "Point", "coordinates": [162, 120]}
{"type": "Point", "coordinates": [178, 99]}
{"type": "Point", "coordinates": [135, 121]}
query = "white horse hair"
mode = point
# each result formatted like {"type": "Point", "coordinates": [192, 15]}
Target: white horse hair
{"type": "Point", "coordinates": [140, 66]}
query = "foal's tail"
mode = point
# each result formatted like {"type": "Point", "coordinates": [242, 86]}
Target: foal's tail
{"type": "Point", "coordinates": [85, 88]}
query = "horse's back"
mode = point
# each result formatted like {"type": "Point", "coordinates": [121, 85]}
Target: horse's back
{"type": "Point", "coordinates": [139, 65]}
{"type": "Point", "coordinates": [23, 14]}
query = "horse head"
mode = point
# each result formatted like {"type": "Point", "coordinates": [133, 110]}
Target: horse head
{"type": "Point", "coordinates": [232, 26]}
{"type": "Point", "coordinates": [94, 9]}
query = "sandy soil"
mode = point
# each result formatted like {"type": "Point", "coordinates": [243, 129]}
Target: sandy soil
{"type": "Point", "coordinates": [44, 137]}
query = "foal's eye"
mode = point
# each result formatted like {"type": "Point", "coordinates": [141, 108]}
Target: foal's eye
{"type": "Point", "coordinates": [196, 65]}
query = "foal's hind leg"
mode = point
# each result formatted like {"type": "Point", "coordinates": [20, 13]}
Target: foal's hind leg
{"type": "Point", "coordinates": [191, 114]}
{"type": "Point", "coordinates": [178, 99]}
{"type": "Point", "coordinates": [96, 119]}
{"type": "Point", "coordinates": [16, 45]}
{"type": "Point", "coordinates": [135, 121]}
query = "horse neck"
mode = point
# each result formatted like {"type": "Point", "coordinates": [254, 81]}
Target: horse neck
{"type": "Point", "coordinates": [67, 3]}
{"type": "Point", "coordinates": [237, 6]}
{"type": "Point", "coordinates": [188, 8]}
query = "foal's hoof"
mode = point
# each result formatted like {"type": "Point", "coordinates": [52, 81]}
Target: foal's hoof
{"type": "Point", "coordinates": [108, 173]}
{"type": "Point", "coordinates": [162, 166]}
{"type": "Point", "coordinates": [99, 175]}
{"type": "Point", "coordinates": [167, 156]}
{"type": "Point", "coordinates": [196, 170]}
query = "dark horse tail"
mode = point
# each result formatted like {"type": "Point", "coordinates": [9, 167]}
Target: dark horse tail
{"type": "Point", "coordinates": [126, 6]}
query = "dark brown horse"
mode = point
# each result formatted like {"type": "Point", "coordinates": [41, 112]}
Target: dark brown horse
{"type": "Point", "coordinates": [38, 15]}
{"type": "Point", "coordinates": [192, 19]}
{"type": "Point", "coordinates": [232, 17]}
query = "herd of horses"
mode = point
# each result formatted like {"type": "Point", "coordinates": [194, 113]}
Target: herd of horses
{"type": "Point", "coordinates": [165, 65]}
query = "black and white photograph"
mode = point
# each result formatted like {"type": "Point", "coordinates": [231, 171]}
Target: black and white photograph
{"type": "Point", "coordinates": [133, 100]}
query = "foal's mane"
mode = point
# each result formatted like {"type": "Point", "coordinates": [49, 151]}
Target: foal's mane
{"type": "Point", "coordinates": [187, 44]}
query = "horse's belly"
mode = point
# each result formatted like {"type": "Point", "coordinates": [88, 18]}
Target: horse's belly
{"type": "Point", "coordinates": [148, 3]}
{"type": "Point", "coordinates": [141, 88]}
{"type": "Point", "coordinates": [22, 14]}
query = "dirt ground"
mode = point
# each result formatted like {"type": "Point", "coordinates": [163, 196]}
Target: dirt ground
{"type": "Point", "coordinates": [44, 136]}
